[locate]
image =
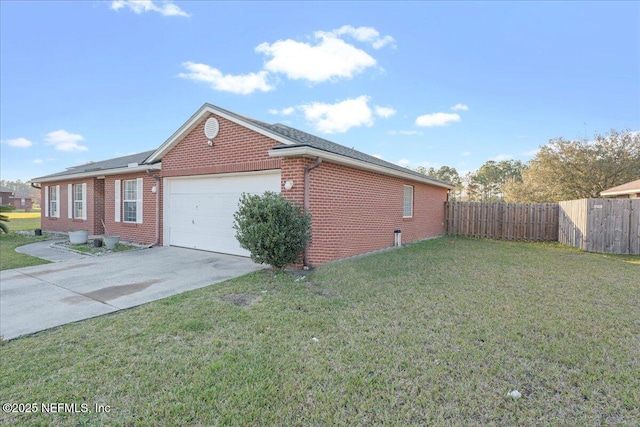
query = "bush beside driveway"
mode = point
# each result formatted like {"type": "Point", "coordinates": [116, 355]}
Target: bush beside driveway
{"type": "Point", "coordinates": [436, 333]}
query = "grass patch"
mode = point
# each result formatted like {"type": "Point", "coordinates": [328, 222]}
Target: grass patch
{"type": "Point", "coordinates": [89, 248]}
{"type": "Point", "coordinates": [436, 333]}
{"type": "Point", "coordinates": [9, 258]}
{"type": "Point", "coordinates": [22, 221]}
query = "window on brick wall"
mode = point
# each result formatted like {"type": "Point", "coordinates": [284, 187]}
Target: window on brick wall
{"type": "Point", "coordinates": [80, 201]}
{"type": "Point", "coordinates": [131, 203]}
{"type": "Point", "coordinates": [407, 202]}
{"type": "Point", "coordinates": [54, 196]}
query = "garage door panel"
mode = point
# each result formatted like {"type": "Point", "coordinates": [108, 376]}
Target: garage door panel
{"type": "Point", "coordinates": [200, 209]}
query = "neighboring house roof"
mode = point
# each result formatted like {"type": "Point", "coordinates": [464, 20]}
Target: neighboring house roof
{"type": "Point", "coordinates": [6, 190]}
{"type": "Point", "coordinates": [125, 164]}
{"type": "Point", "coordinates": [632, 187]}
{"type": "Point", "coordinates": [293, 142]}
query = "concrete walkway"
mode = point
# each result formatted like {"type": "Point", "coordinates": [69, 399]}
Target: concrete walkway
{"type": "Point", "coordinates": [79, 287]}
{"type": "Point", "coordinates": [45, 250]}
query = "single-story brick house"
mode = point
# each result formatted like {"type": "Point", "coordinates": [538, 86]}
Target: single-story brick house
{"type": "Point", "coordinates": [17, 200]}
{"type": "Point", "coordinates": [184, 193]}
{"type": "Point", "coordinates": [630, 190]}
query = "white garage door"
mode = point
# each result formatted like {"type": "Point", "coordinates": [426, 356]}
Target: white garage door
{"type": "Point", "coordinates": [199, 213]}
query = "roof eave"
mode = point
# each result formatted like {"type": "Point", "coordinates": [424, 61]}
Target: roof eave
{"type": "Point", "coordinates": [306, 151]}
{"type": "Point", "coordinates": [93, 174]}
{"type": "Point", "coordinates": [197, 117]}
{"type": "Point", "coordinates": [620, 193]}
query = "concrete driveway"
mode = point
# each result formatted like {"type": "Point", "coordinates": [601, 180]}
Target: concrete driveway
{"type": "Point", "coordinates": [75, 288]}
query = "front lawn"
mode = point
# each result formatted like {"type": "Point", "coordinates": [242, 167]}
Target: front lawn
{"type": "Point", "coordinates": [436, 333]}
{"type": "Point", "coordinates": [21, 221]}
{"type": "Point", "coordinates": [9, 258]}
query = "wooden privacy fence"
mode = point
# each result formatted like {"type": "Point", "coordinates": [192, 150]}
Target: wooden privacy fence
{"type": "Point", "coordinates": [512, 221]}
{"type": "Point", "coordinates": [601, 225]}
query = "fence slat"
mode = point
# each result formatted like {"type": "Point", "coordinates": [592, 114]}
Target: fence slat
{"type": "Point", "coordinates": [511, 221]}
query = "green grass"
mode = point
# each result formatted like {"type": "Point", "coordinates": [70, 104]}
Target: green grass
{"type": "Point", "coordinates": [89, 248]}
{"type": "Point", "coordinates": [436, 333]}
{"type": "Point", "coordinates": [21, 221]}
{"type": "Point", "coordinates": [9, 258]}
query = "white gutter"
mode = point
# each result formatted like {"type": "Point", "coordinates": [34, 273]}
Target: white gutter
{"type": "Point", "coordinates": [96, 173]}
{"type": "Point", "coordinates": [306, 151]}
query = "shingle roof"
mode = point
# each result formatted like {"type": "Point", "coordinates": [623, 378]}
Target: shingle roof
{"type": "Point", "coordinates": [300, 138]}
{"type": "Point", "coordinates": [5, 190]}
{"type": "Point", "coordinates": [291, 136]}
{"type": "Point", "coordinates": [629, 187]}
{"type": "Point", "coordinates": [118, 162]}
{"type": "Point", "coordinates": [308, 140]}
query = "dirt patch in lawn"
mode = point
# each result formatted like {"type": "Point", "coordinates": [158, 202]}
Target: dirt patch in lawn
{"type": "Point", "coordinates": [241, 300]}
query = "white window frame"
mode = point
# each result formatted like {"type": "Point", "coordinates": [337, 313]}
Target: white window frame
{"type": "Point", "coordinates": [129, 196]}
{"type": "Point", "coordinates": [52, 204]}
{"type": "Point", "coordinates": [407, 201]}
{"type": "Point", "coordinates": [80, 203]}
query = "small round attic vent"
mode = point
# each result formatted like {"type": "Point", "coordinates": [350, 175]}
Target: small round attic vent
{"type": "Point", "coordinates": [211, 128]}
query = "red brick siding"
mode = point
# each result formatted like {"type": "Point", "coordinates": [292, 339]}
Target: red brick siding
{"type": "Point", "coordinates": [64, 223]}
{"type": "Point", "coordinates": [144, 233]}
{"type": "Point", "coordinates": [236, 149]}
{"type": "Point", "coordinates": [355, 211]}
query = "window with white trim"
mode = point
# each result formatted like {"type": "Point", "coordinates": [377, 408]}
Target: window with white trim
{"type": "Point", "coordinates": [79, 202]}
{"type": "Point", "coordinates": [54, 192]}
{"type": "Point", "coordinates": [407, 202]}
{"type": "Point", "coordinates": [129, 200]}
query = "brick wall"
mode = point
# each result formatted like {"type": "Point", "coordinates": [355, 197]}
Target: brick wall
{"type": "Point", "coordinates": [236, 149]}
{"type": "Point", "coordinates": [144, 233]}
{"type": "Point", "coordinates": [64, 223]}
{"type": "Point", "coordinates": [355, 211]}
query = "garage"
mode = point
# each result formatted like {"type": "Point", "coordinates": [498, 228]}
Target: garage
{"type": "Point", "coordinates": [199, 210]}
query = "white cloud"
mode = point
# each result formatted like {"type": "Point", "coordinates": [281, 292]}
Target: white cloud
{"type": "Point", "coordinates": [339, 117]}
{"type": "Point", "coordinates": [378, 156]}
{"type": "Point", "coordinates": [65, 141]}
{"type": "Point", "coordinates": [437, 119]}
{"type": "Point", "coordinates": [18, 143]}
{"type": "Point", "coordinates": [284, 112]}
{"type": "Point", "coordinates": [385, 112]}
{"type": "Point", "coordinates": [404, 163]}
{"type": "Point", "coordinates": [330, 57]}
{"type": "Point", "coordinates": [460, 107]}
{"type": "Point", "coordinates": [165, 8]}
{"type": "Point", "coordinates": [501, 157]}
{"type": "Point", "coordinates": [531, 153]}
{"type": "Point", "coordinates": [465, 153]}
{"type": "Point", "coordinates": [37, 161]}
{"type": "Point", "coordinates": [243, 84]}
{"type": "Point", "coordinates": [365, 34]}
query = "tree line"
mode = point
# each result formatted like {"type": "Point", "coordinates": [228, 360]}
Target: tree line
{"type": "Point", "coordinates": [561, 170]}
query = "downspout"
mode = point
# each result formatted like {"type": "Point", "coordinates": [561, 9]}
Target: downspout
{"type": "Point", "coordinates": [157, 178]}
{"type": "Point", "coordinates": [33, 185]}
{"type": "Point", "coordinates": [307, 179]}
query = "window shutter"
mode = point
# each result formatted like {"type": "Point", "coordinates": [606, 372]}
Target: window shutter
{"type": "Point", "coordinates": [117, 207]}
{"type": "Point", "coordinates": [57, 201]}
{"type": "Point", "coordinates": [139, 201]}
{"type": "Point", "coordinates": [70, 201]}
{"type": "Point", "coordinates": [84, 201]}
{"type": "Point", "coordinates": [46, 201]}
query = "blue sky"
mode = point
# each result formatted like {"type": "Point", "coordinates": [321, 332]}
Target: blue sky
{"type": "Point", "coordinates": [416, 83]}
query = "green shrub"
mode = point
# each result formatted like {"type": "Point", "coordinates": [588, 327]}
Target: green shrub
{"type": "Point", "coordinates": [274, 230]}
